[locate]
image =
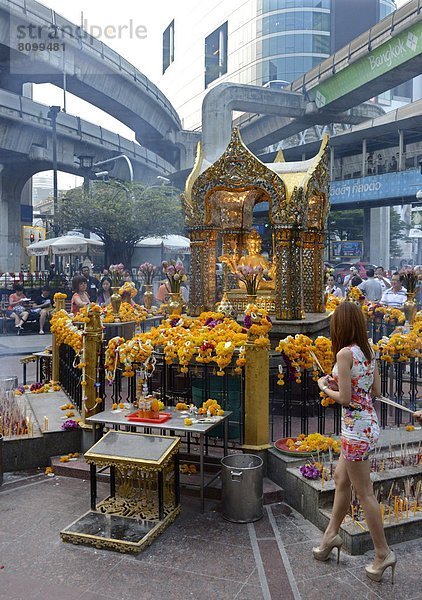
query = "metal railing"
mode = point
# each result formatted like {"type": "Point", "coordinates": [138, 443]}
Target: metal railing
{"type": "Point", "coordinates": [70, 376]}
{"type": "Point", "coordinates": [296, 407]}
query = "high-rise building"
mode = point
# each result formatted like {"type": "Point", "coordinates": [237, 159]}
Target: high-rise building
{"type": "Point", "coordinates": [253, 42]}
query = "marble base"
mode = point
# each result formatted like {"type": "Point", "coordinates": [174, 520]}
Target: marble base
{"type": "Point", "coordinates": [113, 532]}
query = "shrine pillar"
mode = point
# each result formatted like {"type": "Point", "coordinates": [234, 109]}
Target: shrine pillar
{"type": "Point", "coordinates": [288, 292]}
{"type": "Point", "coordinates": [313, 271]}
{"type": "Point", "coordinates": [203, 245]}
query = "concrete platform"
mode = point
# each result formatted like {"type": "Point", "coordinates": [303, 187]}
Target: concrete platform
{"type": "Point", "coordinates": [314, 501]}
{"type": "Point", "coordinates": [200, 556]}
{"type": "Point", "coordinates": [31, 452]}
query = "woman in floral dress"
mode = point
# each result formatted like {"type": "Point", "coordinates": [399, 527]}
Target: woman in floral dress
{"type": "Point", "coordinates": [354, 382]}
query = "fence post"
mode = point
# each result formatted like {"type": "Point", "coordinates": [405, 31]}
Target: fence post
{"type": "Point", "coordinates": [59, 304]}
{"type": "Point", "coordinates": [257, 397]}
{"type": "Point", "coordinates": [91, 351]}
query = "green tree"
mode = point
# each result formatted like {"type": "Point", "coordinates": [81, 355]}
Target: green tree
{"type": "Point", "coordinates": [122, 215]}
{"type": "Point", "coordinates": [346, 224]}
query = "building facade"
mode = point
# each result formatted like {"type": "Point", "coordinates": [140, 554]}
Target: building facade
{"type": "Point", "coordinates": [259, 42]}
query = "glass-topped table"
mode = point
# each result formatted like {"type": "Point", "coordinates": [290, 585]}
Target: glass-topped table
{"type": "Point", "coordinates": [144, 491]}
{"type": "Point", "coordinates": [175, 424]}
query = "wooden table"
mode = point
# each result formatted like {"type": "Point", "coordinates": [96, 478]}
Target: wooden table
{"type": "Point", "coordinates": [174, 424]}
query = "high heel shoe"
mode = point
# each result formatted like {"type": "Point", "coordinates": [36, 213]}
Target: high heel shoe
{"type": "Point", "coordinates": [376, 574]}
{"type": "Point", "coordinates": [324, 553]}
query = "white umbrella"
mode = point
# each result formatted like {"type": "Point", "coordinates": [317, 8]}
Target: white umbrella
{"type": "Point", "coordinates": [67, 244]}
{"type": "Point", "coordinates": [172, 242]}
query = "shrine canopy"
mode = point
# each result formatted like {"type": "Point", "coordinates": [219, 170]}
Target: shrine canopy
{"type": "Point", "coordinates": [238, 177]}
{"type": "Point", "coordinates": [219, 201]}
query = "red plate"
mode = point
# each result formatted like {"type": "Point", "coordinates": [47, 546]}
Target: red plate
{"type": "Point", "coordinates": [136, 417]}
{"type": "Point", "coordinates": [281, 445]}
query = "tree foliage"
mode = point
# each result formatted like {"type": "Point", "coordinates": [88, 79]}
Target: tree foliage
{"type": "Point", "coordinates": [121, 215]}
{"type": "Point", "coordinates": [348, 225]}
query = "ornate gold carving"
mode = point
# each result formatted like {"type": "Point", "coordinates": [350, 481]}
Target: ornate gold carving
{"type": "Point", "coordinates": [219, 198]}
{"type": "Point", "coordinates": [237, 170]}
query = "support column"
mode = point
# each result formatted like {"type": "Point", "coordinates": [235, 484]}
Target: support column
{"type": "Point", "coordinates": [380, 236]}
{"type": "Point", "coordinates": [366, 234]}
{"type": "Point", "coordinates": [313, 271]}
{"type": "Point", "coordinates": [202, 272]}
{"type": "Point", "coordinates": [364, 161]}
{"type": "Point", "coordinates": [401, 161]}
{"type": "Point", "coordinates": [289, 296]}
{"type": "Point", "coordinates": [257, 398]}
{"type": "Point", "coordinates": [59, 304]}
{"type": "Point", "coordinates": [91, 353]}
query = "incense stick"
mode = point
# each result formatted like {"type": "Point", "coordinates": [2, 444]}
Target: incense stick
{"type": "Point", "coordinates": [316, 361]}
{"type": "Point", "coordinates": [392, 403]}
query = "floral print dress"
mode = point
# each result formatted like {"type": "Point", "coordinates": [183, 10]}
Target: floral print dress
{"type": "Point", "coordinates": [359, 423]}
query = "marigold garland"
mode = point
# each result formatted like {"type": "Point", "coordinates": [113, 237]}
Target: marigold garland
{"type": "Point", "coordinates": [315, 442]}
{"type": "Point", "coordinates": [209, 338]}
{"type": "Point", "coordinates": [65, 331]}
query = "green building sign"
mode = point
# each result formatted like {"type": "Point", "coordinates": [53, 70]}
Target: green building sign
{"type": "Point", "coordinates": [403, 47]}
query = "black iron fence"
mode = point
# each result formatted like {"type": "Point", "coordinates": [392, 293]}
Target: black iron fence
{"type": "Point", "coordinates": [295, 407]}
{"type": "Point", "coordinates": [70, 376]}
{"type": "Point", "coordinates": [197, 385]}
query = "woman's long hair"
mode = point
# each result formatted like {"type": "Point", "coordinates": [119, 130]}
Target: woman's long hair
{"type": "Point", "coordinates": [347, 327]}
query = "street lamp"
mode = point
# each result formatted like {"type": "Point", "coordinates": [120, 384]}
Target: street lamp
{"type": "Point", "coordinates": [114, 158]}
{"type": "Point", "coordinates": [52, 115]}
{"type": "Point", "coordinates": [85, 164]}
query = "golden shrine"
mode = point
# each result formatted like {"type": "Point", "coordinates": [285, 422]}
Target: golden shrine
{"type": "Point", "coordinates": [218, 201]}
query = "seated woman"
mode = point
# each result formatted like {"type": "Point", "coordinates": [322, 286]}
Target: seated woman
{"type": "Point", "coordinates": [104, 294]}
{"type": "Point", "coordinates": [17, 308]}
{"type": "Point", "coordinates": [80, 296]}
{"type": "Point", "coordinates": [331, 287]}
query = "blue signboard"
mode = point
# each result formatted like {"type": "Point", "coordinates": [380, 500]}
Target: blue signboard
{"type": "Point", "coordinates": [376, 187]}
{"type": "Point", "coordinates": [347, 249]}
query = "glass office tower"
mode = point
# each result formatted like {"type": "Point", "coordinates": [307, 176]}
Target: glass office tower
{"type": "Point", "coordinates": [253, 42]}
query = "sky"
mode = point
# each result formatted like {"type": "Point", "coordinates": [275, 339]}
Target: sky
{"type": "Point", "coordinates": [143, 52]}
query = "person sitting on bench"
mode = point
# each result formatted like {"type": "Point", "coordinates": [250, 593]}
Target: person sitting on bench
{"type": "Point", "coordinates": [18, 307]}
{"type": "Point", "coordinates": [42, 307]}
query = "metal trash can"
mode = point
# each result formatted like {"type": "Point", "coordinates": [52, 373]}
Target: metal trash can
{"type": "Point", "coordinates": [242, 490]}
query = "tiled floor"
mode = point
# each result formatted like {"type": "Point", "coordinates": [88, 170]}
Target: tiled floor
{"type": "Point", "coordinates": [200, 556]}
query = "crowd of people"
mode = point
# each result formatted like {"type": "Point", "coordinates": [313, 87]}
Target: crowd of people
{"type": "Point", "coordinates": [85, 288]}
{"type": "Point", "coordinates": [377, 287]}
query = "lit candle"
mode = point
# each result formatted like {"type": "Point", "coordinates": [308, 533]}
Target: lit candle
{"type": "Point", "coordinates": [382, 513]}
{"type": "Point", "coordinates": [407, 508]}
{"type": "Point", "coordinates": [45, 424]}
{"type": "Point", "coordinates": [389, 514]}
{"type": "Point", "coordinates": [415, 507]}
{"type": "Point", "coordinates": [322, 478]}
{"type": "Point", "coordinates": [353, 512]}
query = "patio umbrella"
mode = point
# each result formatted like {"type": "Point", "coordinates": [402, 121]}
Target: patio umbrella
{"type": "Point", "coordinates": [171, 242]}
{"type": "Point", "coordinates": [66, 244]}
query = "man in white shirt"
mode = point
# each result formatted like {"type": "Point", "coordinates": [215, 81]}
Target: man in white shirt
{"type": "Point", "coordinates": [382, 278]}
{"type": "Point", "coordinates": [348, 278]}
{"type": "Point", "coordinates": [395, 296]}
{"type": "Point", "coordinates": [371, 287]}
